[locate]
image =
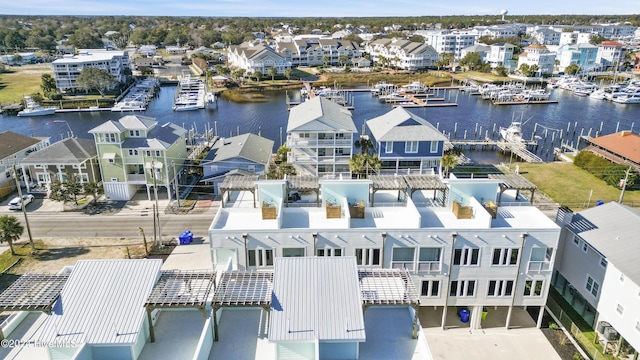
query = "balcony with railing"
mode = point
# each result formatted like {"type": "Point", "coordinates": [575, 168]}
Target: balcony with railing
{"type": "Point", "coordinates": [408, 265]}
{"type": "Point", "coordinates": [539, 266]}
{"type": "Point", "coordinates": [429, 266]}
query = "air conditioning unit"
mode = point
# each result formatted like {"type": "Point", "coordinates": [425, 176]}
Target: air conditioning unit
{"type": "Point", "coordinates": [610, 334]}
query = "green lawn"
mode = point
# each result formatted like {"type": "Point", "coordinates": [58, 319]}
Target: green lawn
{"type": "Point", "coordinates": [569, 185]}
{"type": "Point", "coordinates": [14, 85]}
{"type": "Point", "coordinates": [22, 251]}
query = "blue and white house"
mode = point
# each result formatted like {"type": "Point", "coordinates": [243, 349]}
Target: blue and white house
{"type": "Point", "coordinates": [406, 143]}
{"type": "Point", "coordinates": [246, 153]}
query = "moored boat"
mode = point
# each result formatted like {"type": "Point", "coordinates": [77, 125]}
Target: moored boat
{"type": "Point", "coordinates": [32, 108]}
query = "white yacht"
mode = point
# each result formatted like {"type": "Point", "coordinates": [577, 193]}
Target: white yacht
{"type": "Point", "coordinates": [34, 109]}
{"type": "Point", "coordinates": [513, 133]}
{"type": "Point", "coordinates": [628, 99]}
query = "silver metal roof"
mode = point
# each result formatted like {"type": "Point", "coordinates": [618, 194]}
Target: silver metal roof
{"type": "Point", "coordinates": [402, 125]}
{"type": "Point", "coordinates": [102, 302]}
{"type": "Point", "coordinates": [316, 298]}
{"type": "Point", "coordinates": [248, 146]}
{"type": "Point", "coordinates": [320, 114]}
{"type": "Point", "coordinates": [612, 229]}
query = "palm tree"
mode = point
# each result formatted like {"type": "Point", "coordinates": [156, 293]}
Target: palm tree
{"type": "Point", "coordinates": [362, 164]}
{"type": "Point", "coordinates": [10, 230]}
{"type": "Point", "coordinates": [272, 72]}
{"type": "Point", "coordinates": [364, 144]}
{"type": "Point", "coordinates": [288, 74]}
{"type": "Point", "coordinates": [449, 161]}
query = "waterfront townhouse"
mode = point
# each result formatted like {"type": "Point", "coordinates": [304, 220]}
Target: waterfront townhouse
{"type": "Point", "coordinates": [135, 152]}
{"type": "Point", "coordinates": [538, 55]}
{"type": "Point", "coordinates": [243, 154]}
{"type": "Point", "coordinates": [406, 143]}
{"type": "Point", "coordinates": [402, 54]}
{"type": "Point", "coordinates": [320, 138]}
{"type": "Point", "coordinates": [584, 55]}
{"type": "Point", "coordinates": [14, 148]}
{"type": "Point", "coordinates": [498, 31]}
{"type": "Point", "coordinates": [610, 54]}
{"type": "Point", "coordinates": [498, 54]}
{"type": "Point", "coordinates": [67, 69]}
{"type": "Point", "coordinates": [69, 157]}
{"type": "Point", "coordinates": [450, 42]}
{"type": "Point", "coordinates": [597, 273]}
{"type": "Point", "coordinates": [574, 37]}
{"type": "Point", "coordinates": [316, 51]}
{"type": "Point", "coordinates": [253, 57]}
{"type": "Point", "coordinates": [544, 35]}
{"type": "Point", "coordinates": [465, 243]}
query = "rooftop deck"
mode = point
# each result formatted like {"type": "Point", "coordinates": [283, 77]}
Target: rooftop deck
{"type": "Point", "coordinates": [177, 333]}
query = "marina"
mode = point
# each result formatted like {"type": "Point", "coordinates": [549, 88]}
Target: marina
{"type": "Point", "coordinates": [471, 120]}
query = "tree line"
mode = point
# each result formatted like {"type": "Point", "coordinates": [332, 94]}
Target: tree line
{"type": "Point", "coordinates": [19, 32]}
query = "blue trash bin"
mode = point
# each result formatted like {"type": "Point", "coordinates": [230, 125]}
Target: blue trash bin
{"type": "Point", "coordinates": [464, 315]}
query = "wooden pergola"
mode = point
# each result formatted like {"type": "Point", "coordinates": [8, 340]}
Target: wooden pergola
{"type": "Point", "coordinates": [513, 182]}
{"type": "Point", "coordinates": [425, 182]}
{"type": "Point", "coordinates": [242, 288]}
{"type": "Point", "coordinates": [32, 292]}
{"type": "Point", "coordinates": [180, 289]}
{"type": "Point", "coordinates": [389, 287]}
{"type": "Point", "coordinates": [388, 182]}
{"type": "Point", "coordinates": [239, 183]}
{"type": "Point", "coordinates": [303, 183]}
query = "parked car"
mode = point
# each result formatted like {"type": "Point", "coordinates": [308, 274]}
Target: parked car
{"type": "Point", "coordinates": [15, 204]}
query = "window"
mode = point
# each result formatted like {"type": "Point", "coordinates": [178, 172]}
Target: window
{"type": "Point", "coordinates": [133, 152]}
{"type": "Point", "coordinates": [158, 153]}
{"type": "Point", "coordinates": [466, 256]}
{"type": "Point", "coordinates": [114, 179]}
{"type": "Point", "coordinates": [148, 153]}
{"type": "Point", "coordinates": [292, 252]}
{"type": "Point", "coordinates": [533, 287]}
{"type": "Point", "coordinates": [135, 133]}
{"type": "Point", "coordinates": [214, 168]}
{"type": "Point", "coordinates": [584, 247]}
{"type": "Point", "coordinates": [434, 147]}
{"type": "Point", "coordinates": [251, 168]}
{"type": "Point", "coordinates": [540, 259]}
{"type": "Point", "coordinates": [368, 257]}
{"type": "Point", "coordinates": [505, 256]}
{"type": "Point", "coordinates": [620, 309]}
{"type": "Point", "coordinates": [388, 147]}
{"type": "Point", "coordinates": [621, 278]}
{"type": "Point", "coordinates": [462, 288]}
{"type": "Point", "coordinates": [112, 160]}
{"type": "Point", "coordinates": [576, 240]}
{"type": "Point", "coordinates": [38, 166]}
{"type": "Point", "coordinates": [329, 252]}
{"type": "Point", "coordinates": [430, 288]}
{"type": "Point", "coordinates": [592, 286]}
{"type": "Point", "coordinates": [410, 147]}
{"type": "Point", "coordinates": [429, 259]}
{"type": "Point", "coordinates": [603, 262]}
{"type": "Point", "coordinates": [500, 288]}
{"type": "Point", "coordinates": [260, 257]}
{"type": "Point", "coordinates": [403, 258]}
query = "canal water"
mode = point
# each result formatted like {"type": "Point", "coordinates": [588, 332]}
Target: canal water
{"type": "Point", "coordinates": [569, 118]}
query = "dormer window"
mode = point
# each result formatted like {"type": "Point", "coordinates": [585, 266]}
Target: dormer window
{"type": "Point", "coordinates": [134, 133]}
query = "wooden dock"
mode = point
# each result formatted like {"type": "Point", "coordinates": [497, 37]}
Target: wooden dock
{"type": "Point", "coordinates": [525, 102]}
{"type": "Point", "coordinates": [518, 149]}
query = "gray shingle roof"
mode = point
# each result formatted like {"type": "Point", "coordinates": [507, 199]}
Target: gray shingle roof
{"type": "Point", "coordinates": [67, 151]}
{"type": "Point", "coordinates": [320, 114]}
{"type": "Point", "coordinates": [108, 127]}
{"type": "Point", "coordinates": [402, 125]}
{"type": "Point", "coordinates": [159, 138]}
{"type": "Point", "coordinates": [248, 146]}
{"type": "Point", "coordinates": [612, 229]}
{"type": "Point", "coordinates": [102, 302]}
{"type": "Point", "coordinates": [11, 143]}
{"type": "Point", "coordinates": [316, 298]}
{"type": "Point", "coordinates": [137, 122]}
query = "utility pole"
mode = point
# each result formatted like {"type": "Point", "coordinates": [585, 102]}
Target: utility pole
{"type": "Point", "coordinates": [175, 181]}
{"type": "Point", "coordinates": [624, 184]}
{"type": "Point", "coordinates": [24, 211]}
{"type": "Point", "coordinates": [155, 194]}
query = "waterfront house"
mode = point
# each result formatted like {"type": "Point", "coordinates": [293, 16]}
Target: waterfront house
{"type": "Point", "coordinates": [406, 143]}
{"type": "Point", "coordinates": [596, 271]}
{"type": "Point", "coordinates": [538, 55]}
{"type": "Point", "coordinates": [315, 51]}
{"type": "Point", "coordinates": [14, 148]}
{"type": "Point", "coordinates": [610, 54]}
{"type": "Point", "coordinates": [449, 41]}
{"type": "Point", "coordinates": [320, 138]}
{"type": "Point", "coordinates": [69, 157]}
{"type": "Point", "coordinates": [622, 148]}
{"type": "Point", "coordinates": [135, 152]}
{"type": "Point", "coordinates": [67, 69]}
{"type": "Point", "coordinates": [248, 152]}
{"type": "Point", "coordinates": [254, 56]}
{"type": "Point", "coordinates": [584, 55]}
{"type": "Point", "coordinates": [464, 242]}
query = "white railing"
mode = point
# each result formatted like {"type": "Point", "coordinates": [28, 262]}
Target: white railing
{"type": "Point", "coordinates": [408, 265]}
{"type": "Point", "coordinates": [539, 266]}
{"type": "Point", "coordinates": [136, 177]}
{"type": "Point", "coordinates": [429, 266]}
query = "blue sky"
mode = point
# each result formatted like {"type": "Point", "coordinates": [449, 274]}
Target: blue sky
{"type": "Point", "coordinates": [328, 8]}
